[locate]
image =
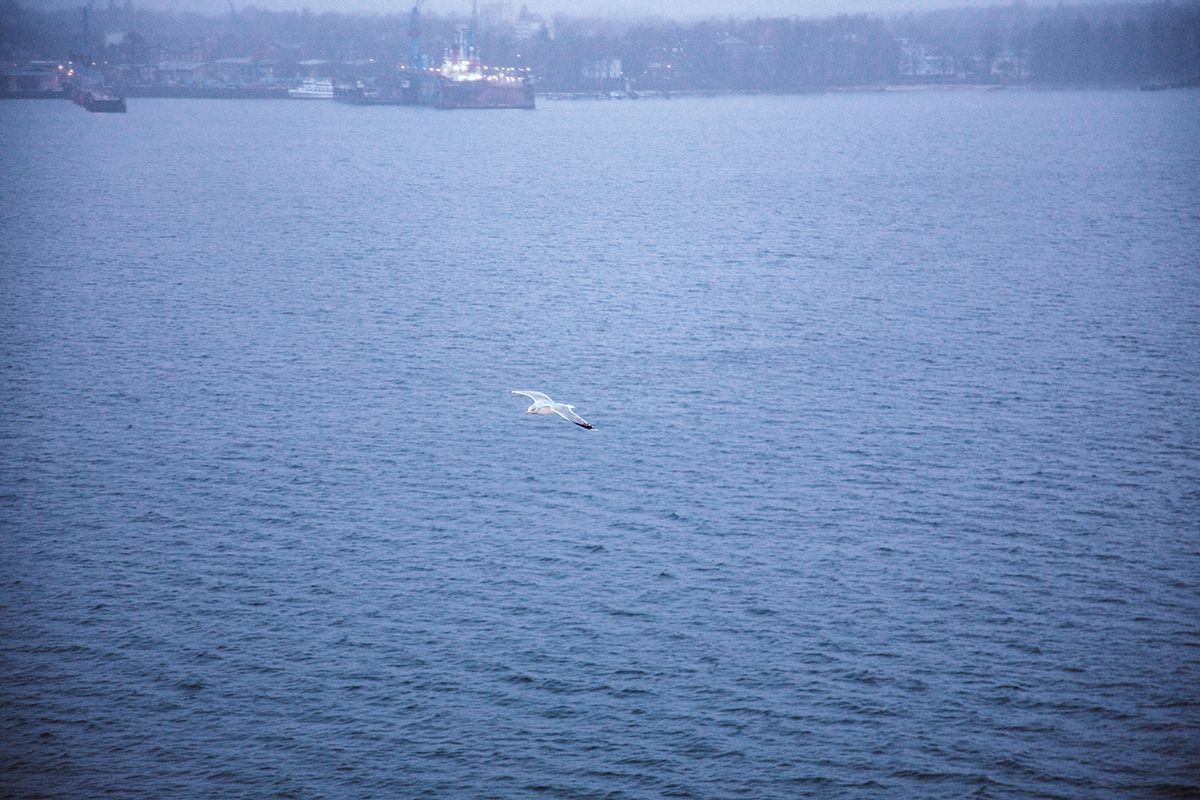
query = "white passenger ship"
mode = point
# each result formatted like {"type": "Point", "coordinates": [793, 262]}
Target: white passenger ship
{"type": "Point", "coordinates": [313, 89]}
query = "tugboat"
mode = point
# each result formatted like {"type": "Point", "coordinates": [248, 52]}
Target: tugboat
{"type": "Point", "coordinates": [99, 101]}
{"type": "Point", "coordinates": [96, 98]}
{"type": "Point", "coordinates": [88, 88]}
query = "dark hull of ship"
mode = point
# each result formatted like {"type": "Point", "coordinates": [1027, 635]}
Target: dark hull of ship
{"type": "Point", "coordinates": [96, 100]}
{"type": "Point", "coordinates": [244, 92]}
{"type": "Point", "coordinates": [440, 93]}
{"type": "Point", "coordinates": [485, 94]}
{"type": "Point", "coordinates": [105, 104]}
{"type": "Point", "coordinates": [402, 93]}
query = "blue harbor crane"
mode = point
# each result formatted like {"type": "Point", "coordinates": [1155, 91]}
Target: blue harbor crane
{"type": "Point", "coordinates": [414, 35]}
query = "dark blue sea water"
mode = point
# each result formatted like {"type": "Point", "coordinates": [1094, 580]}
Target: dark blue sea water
{"type": "Point", "coordinates": [894, 490]}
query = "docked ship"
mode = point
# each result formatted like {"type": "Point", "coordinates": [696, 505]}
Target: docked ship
{"type": "Point", "coordinates": [96, 98]}
{"type": "Point", "coordinates": [100, 101]}
{"type": "Point", "coordinates": [463, 82]}
{"type": "Point", "coordinates": [313, 89]}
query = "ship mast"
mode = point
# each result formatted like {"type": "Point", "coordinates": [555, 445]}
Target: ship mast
{"type": "Point", "coordinates": [474, 25]}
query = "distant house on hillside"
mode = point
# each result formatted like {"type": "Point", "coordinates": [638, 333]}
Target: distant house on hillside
{"type": "Point", "coordinates": [523, 26]}
{"type": "Point", "coordinates": [183, 73]}
{"type": "Point", "coordinates": [915, 60]}
{"type": "Point", "coordinates": [234, 70]}
{"type": "Point", "coordinates": [529, 25]}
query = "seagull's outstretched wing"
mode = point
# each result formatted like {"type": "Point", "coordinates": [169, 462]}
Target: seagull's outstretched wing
{"type": "Point", "coordinates": [536, 397]}
{"type": "Point", "coordinates": [564, 411]}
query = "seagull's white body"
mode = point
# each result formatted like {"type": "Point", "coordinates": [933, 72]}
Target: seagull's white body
{"type": "Point", "coordinates": [543, 405]}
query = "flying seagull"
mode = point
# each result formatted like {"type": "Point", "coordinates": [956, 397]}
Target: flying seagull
{"type": "Point", "coordinates": [543, 405]}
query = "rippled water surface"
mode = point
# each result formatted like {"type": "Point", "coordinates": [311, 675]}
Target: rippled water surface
{"type": "Point", "coordinates": [894, 489]}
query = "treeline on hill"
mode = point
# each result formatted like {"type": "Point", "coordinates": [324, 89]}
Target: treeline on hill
{"type": "Point", "coordinates": [1089, 44]}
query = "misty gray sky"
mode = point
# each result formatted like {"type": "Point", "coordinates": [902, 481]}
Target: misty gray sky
{"type": "Point", "coordinates": [675, 9]}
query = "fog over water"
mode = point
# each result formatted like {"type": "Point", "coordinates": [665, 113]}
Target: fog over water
{"type": "Point", "coordinates": [682, 10]}
{"type": "Point", "coordinates": [894, 487]}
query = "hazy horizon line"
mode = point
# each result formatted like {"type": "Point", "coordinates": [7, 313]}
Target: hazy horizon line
{"type": "Point", "coordinates": [696, 10]}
